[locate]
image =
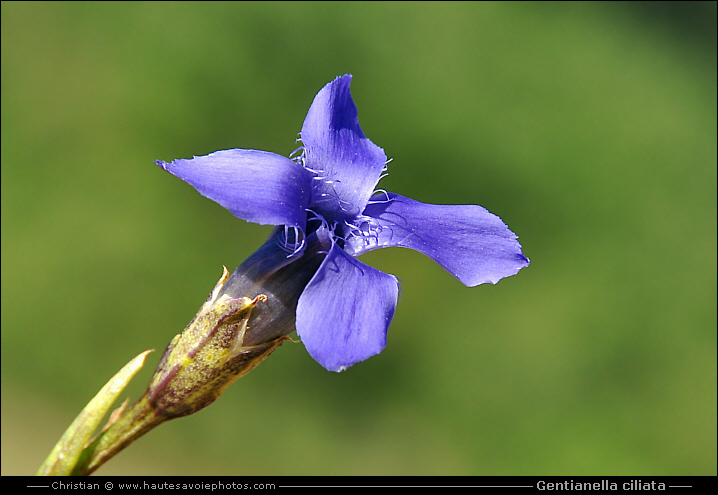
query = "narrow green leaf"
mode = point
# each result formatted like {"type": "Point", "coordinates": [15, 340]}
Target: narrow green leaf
{"type": "Point", "coordinates": [66, 453]}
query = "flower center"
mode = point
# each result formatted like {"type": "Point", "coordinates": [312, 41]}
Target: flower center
{"type": "Point", "coordinates": [363, 230]}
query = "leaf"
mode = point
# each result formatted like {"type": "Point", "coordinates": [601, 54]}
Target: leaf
{"type": "Point", "coordinates": [66, 453]}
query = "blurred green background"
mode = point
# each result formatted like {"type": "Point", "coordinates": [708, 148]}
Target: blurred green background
{"type": "Point", "coordinates": [589, 128]}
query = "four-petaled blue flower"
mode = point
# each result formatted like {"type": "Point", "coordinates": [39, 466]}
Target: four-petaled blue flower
{"type": "Point", "coordinates": [325, 199]}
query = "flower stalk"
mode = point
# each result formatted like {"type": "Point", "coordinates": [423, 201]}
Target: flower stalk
{"type": "Point", "coordinates": [128, 427]}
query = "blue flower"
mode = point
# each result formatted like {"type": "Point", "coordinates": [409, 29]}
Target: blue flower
{"type": "Point", "coordinates": [326, 202]}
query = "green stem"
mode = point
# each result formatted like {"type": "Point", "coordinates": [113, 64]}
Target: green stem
{"type": "Point", "coordinates": [68, 450]}
{"type": "Point", "coordinates": [131, 425]}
